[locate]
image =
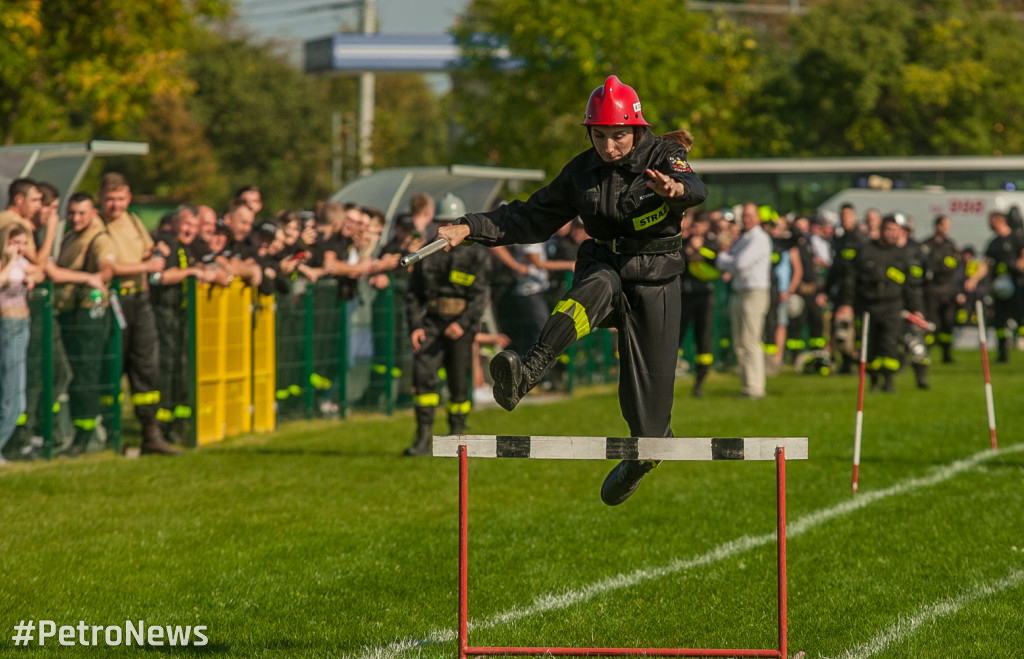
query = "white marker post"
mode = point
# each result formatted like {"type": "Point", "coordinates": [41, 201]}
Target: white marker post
{"type": "Point", "coordinates": [860, 399]}
{"type": "Point", "coordinates": [979, 308]}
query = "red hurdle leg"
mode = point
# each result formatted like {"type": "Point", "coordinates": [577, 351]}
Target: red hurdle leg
{"type": "Point", "coordinates": [780, 470]}
{"type": "Point", "coordinates": [463, 552]}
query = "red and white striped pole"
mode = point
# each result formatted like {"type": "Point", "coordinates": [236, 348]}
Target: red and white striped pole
{"type": "Point", "coordinates": [980, 310]}
{"type": "Point", "coordinates": [860, 399]}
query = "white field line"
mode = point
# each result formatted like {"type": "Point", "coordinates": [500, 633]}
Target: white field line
{"type": "Point", "coordinates": [567, 598]}
{"type": "Point", "coordinates": [906, 627]}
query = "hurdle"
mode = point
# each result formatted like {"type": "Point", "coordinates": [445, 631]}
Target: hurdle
{"type": "Point", "coordinates": [617, 448]}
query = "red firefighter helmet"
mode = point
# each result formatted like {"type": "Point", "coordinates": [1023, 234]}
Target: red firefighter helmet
{"type": "Point", "coordinates": [614, 104]}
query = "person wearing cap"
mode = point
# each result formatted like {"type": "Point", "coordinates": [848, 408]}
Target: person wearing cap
{"type": "Point", "coordinates": [630, 188]}
{"type": "Point", "coordinates": [445, 300]}
{"type": "Point", "coordinates": [878, 281]}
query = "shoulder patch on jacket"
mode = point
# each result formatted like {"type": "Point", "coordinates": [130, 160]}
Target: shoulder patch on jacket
{"type": "Point", "coordinates": [679, 165]}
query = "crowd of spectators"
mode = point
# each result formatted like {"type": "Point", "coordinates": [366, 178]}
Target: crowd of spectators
{"type": "Point", "coordinates": [779, 274]}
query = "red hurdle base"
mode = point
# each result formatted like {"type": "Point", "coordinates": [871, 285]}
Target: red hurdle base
{"type": "Point", "coordinates": [465, 650]}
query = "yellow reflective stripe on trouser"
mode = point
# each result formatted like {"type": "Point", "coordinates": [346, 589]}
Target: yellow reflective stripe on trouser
{"type": "Point", "coordinates": [579, 316]}
{"type": "Point", "coordinates": [164, 414]}
{"type": "Point", "coordinates": [890, 364]}
{"type": "Point", "coordinates": [426, 400]}
{"type": "Point", "coordinates": [458, 408]}
{"type": "Point", "coordinates": [85, 424]}
{"type": "Point", "coordinates": [182, 412]}
{"type": "Point", "coordinates": [146, 398]}
{"type": "Point", "coordinates": [795, 344]}
{"type": "Point", "coordinates": [704, 359]}
{"type": "Point", "coordinates": [319, 382]}
{"type": "Point", "coordinates": [281, 394]}
{"type": "Point", "coordinates": [770, 348]}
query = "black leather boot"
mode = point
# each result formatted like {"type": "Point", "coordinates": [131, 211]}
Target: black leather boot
{"type": "Point", "coordinates": [698, 384]}
{"type": "Point", "coordinates": [153, 441]}
{"type": "Point", "coordinates": [622, 481]}
{"type": "Point", "coordinates": [921, 371]}
{"type": "Point", "coordinates": [514, 376]}
{"type": "Point", "coordinates": [424, 432]}
{"type": "Point", "coordinates": [457, 424]}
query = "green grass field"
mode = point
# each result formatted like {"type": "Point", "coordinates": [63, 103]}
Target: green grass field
{"type": "Point", "coordinates": [321, 541]}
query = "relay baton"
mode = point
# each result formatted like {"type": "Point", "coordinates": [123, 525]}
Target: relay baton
{"type": "Point", "coordinates": [423, 252]}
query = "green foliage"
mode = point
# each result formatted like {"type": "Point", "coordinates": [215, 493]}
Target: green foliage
{"type": "Point", "coordinates": [77, 69]}
{"type": "Point", "coordinates": [938, 79]}
{"type": "Point", "coordinates": [268, 123]}
{"type": "Point", "coordinates": [691, 71]}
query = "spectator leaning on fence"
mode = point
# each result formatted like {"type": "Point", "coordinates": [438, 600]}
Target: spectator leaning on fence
{"type": "Point", "coordinates": [85, 264]}
{"type": "Point", "coordinates": [140, 348]}
{"type": "Point", "coordinates": [170, 307]}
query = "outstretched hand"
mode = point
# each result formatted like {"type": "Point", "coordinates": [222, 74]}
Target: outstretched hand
{"type": "Point", "coordinates": [665, 185]}
{"type": "Point", "coordinates": [454, 234]}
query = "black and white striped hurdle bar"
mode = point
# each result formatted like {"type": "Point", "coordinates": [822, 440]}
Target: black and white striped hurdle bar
{"type": "Point", "coordinates": [619, 448]}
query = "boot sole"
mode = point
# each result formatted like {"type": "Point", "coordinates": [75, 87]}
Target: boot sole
{"type": "Point", "coordinates": [506, 384]}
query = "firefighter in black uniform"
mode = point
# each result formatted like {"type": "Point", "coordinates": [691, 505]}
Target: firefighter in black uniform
{"type": "Point", "coordinates": [700, 248]}
{"type": "Point", "coordinates": [877, 280]}
{"type": "Point", "coordinates": [1004, 261]}
{"type": "Point", "coordinates": [940, 288]}
{"type": "Point", "coordinates": [630, 190]}
{"type": "Point", "coordinates": [168, 295]}
{"type": "Point", "coordinates": [913, 338]}
{"type": "Point", "coordinates": [447, 296]}
{"type": "Point", "coordinates": [845, 245]}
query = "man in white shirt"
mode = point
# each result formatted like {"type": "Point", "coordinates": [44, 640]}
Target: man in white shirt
{"type": "Point", "coordinates": [748, 262]}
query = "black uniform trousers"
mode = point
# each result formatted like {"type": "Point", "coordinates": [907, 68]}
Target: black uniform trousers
{"type": "Point", "coordinates": [812, 317]}
{"type": "Point", "coordinates": [455, 355]}
{"type": "Point", "coordinates": [85, 339]}
{"type": "Point", "coordinates": [940, 308]}
{"type": "Point", "coordinates": [140, 355]}
{"type": "Point", "coordinates": [884, 330]}
{"type": "Point", "coordinates": [698, 310]}
{"type": "Point", "coordinates": [172, 326]}
{"type": "Point", "coordinates": [645, 315]}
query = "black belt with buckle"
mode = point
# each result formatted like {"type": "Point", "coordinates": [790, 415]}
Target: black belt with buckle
{"type": "Point", "coordinates": [644, 245]}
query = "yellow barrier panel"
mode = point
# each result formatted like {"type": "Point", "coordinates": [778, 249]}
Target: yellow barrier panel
{"type": "Point", "coordinates": [264, 368]}
{"type": "Point", "coordinates": [223, 362]}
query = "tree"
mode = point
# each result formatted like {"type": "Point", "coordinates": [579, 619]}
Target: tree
{"type": "Point", "coordinates": [267, 122]}
{"type": "Point", "coordinates": [875, 77]}
{"type": "Point", "coordinates": [73, 69]}
{"type": "Point", "coordinates": [691, 71]}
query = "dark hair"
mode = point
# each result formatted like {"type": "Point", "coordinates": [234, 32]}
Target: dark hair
{"type": "Point", "coordinates": [79, 197]}
{"type": "Point", "coordinates": [20, 186]}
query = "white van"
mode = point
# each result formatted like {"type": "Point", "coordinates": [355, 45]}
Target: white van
{"type": "Point", "coordinates": [968, 209]}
